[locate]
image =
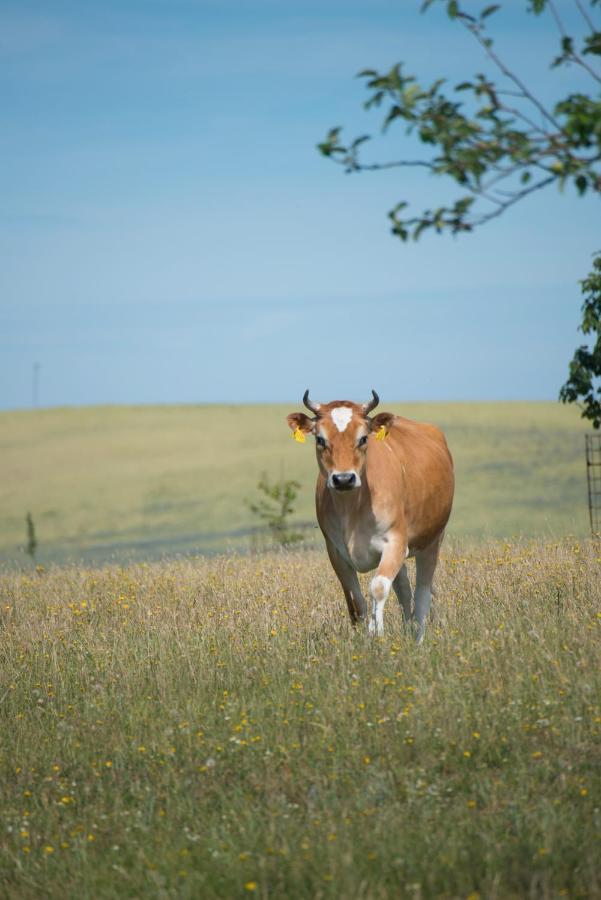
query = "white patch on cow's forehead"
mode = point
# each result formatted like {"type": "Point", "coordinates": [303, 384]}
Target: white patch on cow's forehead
{"type": "Point", "coordinates": [341, 416]}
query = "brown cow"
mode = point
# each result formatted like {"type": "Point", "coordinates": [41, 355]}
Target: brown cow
{"type": "Point", "coordinates": [384, 493]}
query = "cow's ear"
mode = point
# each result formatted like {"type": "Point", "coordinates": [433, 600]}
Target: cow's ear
{"type": "Point", "coordinates": [383, 419]}
{"type": "Point", "coordinates": [300, 422]}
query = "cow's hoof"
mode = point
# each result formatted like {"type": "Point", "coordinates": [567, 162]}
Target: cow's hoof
{"type": "Point", "coordinates": [375, 628]}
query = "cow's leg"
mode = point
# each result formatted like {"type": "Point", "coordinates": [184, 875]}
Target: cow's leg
{"type": "Point", "coordinates": [347, 576]}
{"type": "Point", "coordinates": [402, 589]}
{"type": "Point", "coordinates": [425, 564]}
{"type": "Point", "coordinates": [379, 588]}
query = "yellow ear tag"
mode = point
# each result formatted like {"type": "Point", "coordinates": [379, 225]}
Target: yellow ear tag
{"type": "Point", "coordinates": [381, 433]}
{"type": "Point", "coordinates": [299, 436]}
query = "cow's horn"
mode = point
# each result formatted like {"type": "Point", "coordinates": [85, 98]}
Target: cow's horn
{"type": "Point", "coordinates": [367, 407]}
{"type": "Point", "coordinates": [314, 407]}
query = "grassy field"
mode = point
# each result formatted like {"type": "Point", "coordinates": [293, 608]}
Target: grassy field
{"type": "Point", "coordinates": [213, 728]}
{"type": "Point", "coordinates": [138, 482]}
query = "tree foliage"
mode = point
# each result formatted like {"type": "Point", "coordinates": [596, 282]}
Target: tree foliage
{"type": "Point", "coordinates": [499, 142]}
{"type": "Point", "coordinates": [584, 384]}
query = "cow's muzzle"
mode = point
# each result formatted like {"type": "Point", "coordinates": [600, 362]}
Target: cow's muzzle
{"type": "Point", "coordinates": [344, 481]}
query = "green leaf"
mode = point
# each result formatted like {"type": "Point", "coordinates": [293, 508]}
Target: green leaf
{"type": "Point", "coordinates": [567, 45]}
{"type": "Point", "coordinates": [537, 6]}
{"type": "Point", "coordinates": [489, 10]}
{"type": "Point", "coordinates": [592, 43]}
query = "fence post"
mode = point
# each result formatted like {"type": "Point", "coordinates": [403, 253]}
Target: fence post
{"type": "Point", "coordinates": [593, 476]}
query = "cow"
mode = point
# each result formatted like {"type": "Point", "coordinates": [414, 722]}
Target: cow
{"type": "Point", "coordinates": [384, 493]}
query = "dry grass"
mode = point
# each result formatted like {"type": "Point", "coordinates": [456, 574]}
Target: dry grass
{"type": "Point", "coordinates": [214, 728]}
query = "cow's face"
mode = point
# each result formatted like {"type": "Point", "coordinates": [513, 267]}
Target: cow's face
{"type": "Point", "coordinates": [342, 435]}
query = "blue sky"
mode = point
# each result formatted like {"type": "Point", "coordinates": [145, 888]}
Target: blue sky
{"type": "Point", "coordinates": [168, 232]}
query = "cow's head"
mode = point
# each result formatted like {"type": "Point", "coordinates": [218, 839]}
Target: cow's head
{"type": "Point", "coordinates": [342, 431]}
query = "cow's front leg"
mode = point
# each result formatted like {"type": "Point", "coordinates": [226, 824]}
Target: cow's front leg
{"type": "Point", "coordinates": [392, 559]}
{"type": "Point", "coordinates": [347, 576]}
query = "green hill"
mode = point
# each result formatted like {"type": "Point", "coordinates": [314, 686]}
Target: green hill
{"type": "Point", "coordinates": [136, 482]}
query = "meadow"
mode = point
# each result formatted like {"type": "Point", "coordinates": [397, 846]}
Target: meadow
{"type": "Point", "coordinates": [122, 483]}
{"type": "Point", "coordinates": [213, 727]}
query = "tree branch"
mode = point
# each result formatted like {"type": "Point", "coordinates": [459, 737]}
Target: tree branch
{"type": "Point", "coordinates": [475, 29]}
{"type": "Point", "coordinates": [585, 16]}
{"type": "Point", "coordinates": [515, 198]}
{"type": "Point", "coordinates": [375, 167]}
{"type": "Point", "coordinates": [571, 54]}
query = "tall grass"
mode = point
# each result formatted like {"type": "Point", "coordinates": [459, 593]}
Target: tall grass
{"type": "Point", "coordinates": [214, 728]}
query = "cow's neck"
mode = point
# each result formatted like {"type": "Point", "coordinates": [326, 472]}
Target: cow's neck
{"type": "Point", "coordinates": [348, 502]}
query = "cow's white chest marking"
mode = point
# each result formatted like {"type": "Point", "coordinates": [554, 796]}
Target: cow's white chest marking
{"type": "Point", "coordinates": [341, 416]}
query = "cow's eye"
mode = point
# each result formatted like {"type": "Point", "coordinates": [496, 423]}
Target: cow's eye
{"type": "Point", "coordinates": [320, 441]}
{"type": "Point", "coordinates": [362, 441]}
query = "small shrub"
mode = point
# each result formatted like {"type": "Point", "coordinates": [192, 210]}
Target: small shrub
{"type": "Point", "coordinates": [275, 508]}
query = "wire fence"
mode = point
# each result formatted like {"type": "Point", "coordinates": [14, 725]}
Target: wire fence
{"type": "Point", "coordinates": [593, 472]}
